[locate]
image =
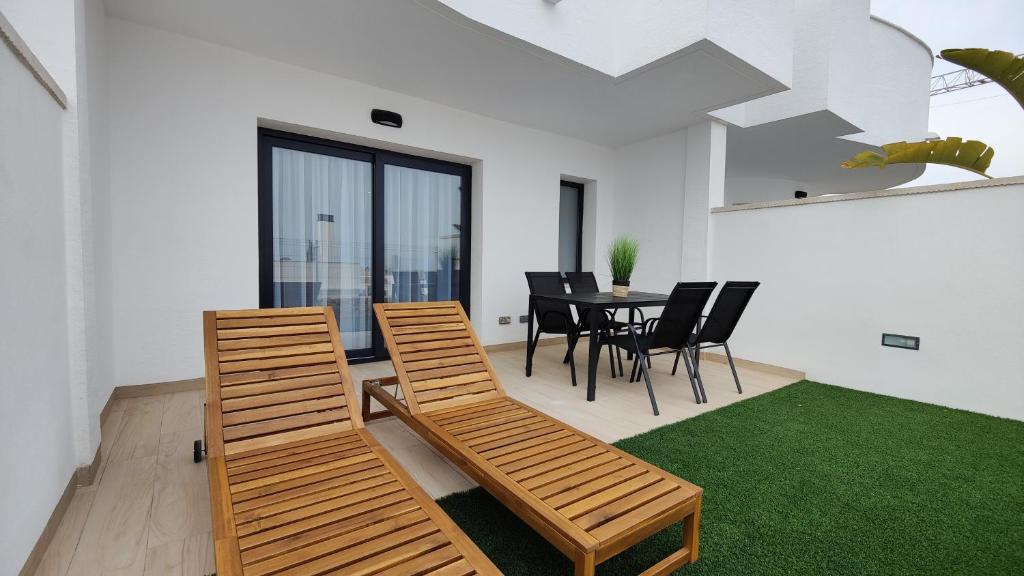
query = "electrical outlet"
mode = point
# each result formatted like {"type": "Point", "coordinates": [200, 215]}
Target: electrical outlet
{"type": "Point", "coordinates": [524, 318]}
{"type": "Point", "coordinates": [504, 320]}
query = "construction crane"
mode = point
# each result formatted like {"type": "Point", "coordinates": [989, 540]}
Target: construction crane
{"type": "Point", "coordinates": [958, 80]}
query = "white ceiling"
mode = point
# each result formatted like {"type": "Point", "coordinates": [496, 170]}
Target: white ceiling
{"type": "Point", "coordinates": [807, 149]}
{"type": "Point", "coordinates": [424, 49]}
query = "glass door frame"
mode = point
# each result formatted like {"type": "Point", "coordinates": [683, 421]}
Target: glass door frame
{"type": "Point", "coordinates": [268, 139]}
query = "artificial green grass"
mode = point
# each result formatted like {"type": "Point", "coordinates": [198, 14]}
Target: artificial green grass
{"type": "Point", "coordinates": [814, 479]}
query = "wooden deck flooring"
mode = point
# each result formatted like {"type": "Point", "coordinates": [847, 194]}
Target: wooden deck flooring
{"type": "Point", "coordinates": [148, 512]}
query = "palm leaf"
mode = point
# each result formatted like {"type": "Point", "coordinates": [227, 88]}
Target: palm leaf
{"type": "Point", "coordinates": [1002, 67]}
{"type": "Point", "coordinates": [970, 155]}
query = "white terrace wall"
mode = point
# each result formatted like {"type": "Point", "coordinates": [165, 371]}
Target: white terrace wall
{"type": "Point", "coordinates": [182, 214]}
{"type": "Point", "coordinates": [35, 410]}
{"type": "Point", "coordinates": [947, 266]}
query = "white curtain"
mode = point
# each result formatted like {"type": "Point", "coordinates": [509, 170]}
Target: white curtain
{"type": "Point", "coordinates": [322, 207]}
{"type": "Point", "coordinates": [422, 233]}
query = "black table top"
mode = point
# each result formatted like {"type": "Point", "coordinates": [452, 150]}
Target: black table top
{"type": "Point", "coordinates": [607, 300]}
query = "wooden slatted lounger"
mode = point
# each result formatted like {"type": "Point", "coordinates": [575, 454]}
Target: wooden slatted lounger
{"type": "Point", "coordinates": [589, 499]}
{"type": "Point", "coordinates": [297, 484]}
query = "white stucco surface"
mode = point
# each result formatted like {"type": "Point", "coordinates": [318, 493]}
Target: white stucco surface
{"type": "Point", "coordinates": [183, 121]}
{"type": "Point", "coordinates": [945, 267]}
{"type": "Point", "coordinates": [35, 411]}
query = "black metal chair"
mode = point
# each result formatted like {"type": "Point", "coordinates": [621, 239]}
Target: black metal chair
{"type": "Point", "coordinates": [586, 283]}
{"type": "Point", "coordinates": [668, 334]}
{"type": "Point", "coordinates": [552, 317]}
{"type": "Point", "coordinates": [718, 326]}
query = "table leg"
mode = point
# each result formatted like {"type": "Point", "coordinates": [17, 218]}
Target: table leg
{"type": "Point", "coordinates": [529, 338]}
{"type": "Point", "coordinates": [595, 354]}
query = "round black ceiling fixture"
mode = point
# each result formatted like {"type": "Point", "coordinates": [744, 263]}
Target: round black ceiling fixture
{"type": "Point", "coordinates": [386, 118]}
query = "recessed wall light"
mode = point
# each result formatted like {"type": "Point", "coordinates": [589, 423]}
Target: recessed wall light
{"type": "Point", "coordinates": [386, 118]}
{"type": "Point", "coordinates": [900, 341]}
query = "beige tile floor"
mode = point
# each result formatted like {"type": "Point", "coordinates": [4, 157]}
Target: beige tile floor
{"type": "Point", "coordinates": [148, 512]}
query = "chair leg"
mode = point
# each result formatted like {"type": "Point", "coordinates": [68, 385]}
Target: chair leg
{"type": "Point", "coordinates": [531, 348]}
{"type": "Point", "coordinates": [732, 365]}
{"type": "Point", "coordinates": [611, 359]}
{"type": "Point", "coordinates": [618, 355]}
{"type": "Point", "coordinates": [572, 341]}
{"type": "Point", "coordinates": [696, 374]}
{"type": "Point", "coordinates": [572, 359]}
{"type": "Point", "coordinates": [650, 389]}
{"type": "Point", "coordinates": [676, 363]}
{"type": "Point", "coordinates": [689, 374]}
{"type": "Point", "coordinates": [632, 373]}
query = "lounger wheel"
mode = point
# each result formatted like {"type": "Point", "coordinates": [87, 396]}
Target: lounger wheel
{"type": "Point", "coordinates": [197, 451]}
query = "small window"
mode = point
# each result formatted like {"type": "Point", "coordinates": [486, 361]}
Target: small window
{"type": "Point", "coordinates": [570, 227]}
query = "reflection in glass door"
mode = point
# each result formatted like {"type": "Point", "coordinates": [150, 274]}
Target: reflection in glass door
{"type": "Point", "coordinates": [422, 235]}
{"type": "Point", "coordinates": [346, 226]}
{"type": "Point", "coordinates": [322, 251]}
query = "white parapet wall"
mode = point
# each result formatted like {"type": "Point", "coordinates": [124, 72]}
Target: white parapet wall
{"type": "Point", "coordinates": [944, 263]}
{"type": "Point", "coordinates": [35, 412]}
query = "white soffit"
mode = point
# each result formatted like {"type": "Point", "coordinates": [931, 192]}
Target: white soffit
{"type": "Point", "coordinates": [426, 49]}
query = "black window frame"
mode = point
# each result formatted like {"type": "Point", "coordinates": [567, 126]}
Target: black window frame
{"type": "Point", "coordinates": [578, 186]}
{"type": "Point", "coordinates": [378, 158]}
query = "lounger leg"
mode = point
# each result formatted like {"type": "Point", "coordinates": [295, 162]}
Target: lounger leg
{"type": "Point", "coordinates": [689, 374]}
{"type": "Point", "coordinates": [696, 374]}
{"type": "Point", "coordinates": [650, 389]}
{"type": "Point", "coordinates": [691, 532]}
{"type": "Point", "coordinates": [585, 563]}
{"type": "Point", "coordinates": [676, 363]}
{"type": "Point", "coordinates": [733, 366]}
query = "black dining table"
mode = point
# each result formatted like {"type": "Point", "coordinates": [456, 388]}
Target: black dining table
{"type": "Point", "coordinates": [594, 301]}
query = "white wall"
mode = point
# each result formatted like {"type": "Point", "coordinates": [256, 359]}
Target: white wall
{"type": "Point", "coordinates": [619, 37]}
{"type": "Point", "coordinates": [35, 413]}
{"type": "Point", "coordinates": [649, 207]}
{"type": "Point", "coordinates": [946, 267]}
{"type": "Point", "coordinates": [182, 212]}
{"type": "Point", "coordinates": [747, 190]}
{"type": "Point", "coordinates": [58, 32]}
{"type": "Point", "coordinates": [93, 146]}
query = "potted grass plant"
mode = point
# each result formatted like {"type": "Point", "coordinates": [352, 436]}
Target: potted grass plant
{"type": "Point", "coordinates": [622, 256]}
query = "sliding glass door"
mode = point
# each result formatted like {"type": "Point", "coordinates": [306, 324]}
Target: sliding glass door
{"type": "Point", "coordinates": [345, 226]}
{"type": "Point", "coordinates": [422, 235]}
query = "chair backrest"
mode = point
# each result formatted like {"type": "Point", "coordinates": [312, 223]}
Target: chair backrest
{"type": "Point", "coordinates": [548, 283]}
{"type": "Point", "coordinates": [726, 311]}
{"type": "Point", "coordinates": [437, 357]}
{"type": "Point", "coordinates": [274, 376]}
{"type": "Point", "coordinates": [582, 282]}
{"type": "Point", "coordinates": [680, 316]}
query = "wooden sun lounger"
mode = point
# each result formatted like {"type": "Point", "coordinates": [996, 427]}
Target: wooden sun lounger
{"type": "Point", "coordinates": [587, 498]}
{"type": "Point", "coordinates": [297, 484]}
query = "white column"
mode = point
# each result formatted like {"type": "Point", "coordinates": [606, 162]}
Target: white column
{"type": "Point", "coordinates": [703, 189]}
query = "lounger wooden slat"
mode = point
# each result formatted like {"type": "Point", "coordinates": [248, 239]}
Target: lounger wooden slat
{"type": "Point", "coordinates": [297, 484]}
{"type": "Point", "coordinates": [589, 499]}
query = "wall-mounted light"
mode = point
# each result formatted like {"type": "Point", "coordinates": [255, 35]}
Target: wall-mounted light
{"type": "Point", "coordinates": [901, 341]}
{"type": "Point", "coordinates": [386, 118]}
